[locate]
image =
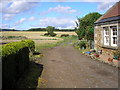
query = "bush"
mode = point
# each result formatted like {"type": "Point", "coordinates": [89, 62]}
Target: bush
{"type": "Point", "coordinates": [64, 35]}
{"type": "Point", "coordinates": [53, 34]}
{"type": "Point", "coordinates": [116, 55]}
{"type": "Point", "coordinates": [12, 48]}
{"type": "Point", "coordinates": [50, 34]}
{"type": "Point", "coordinates": [15, 60]}
{"type": "Point", "coordinates": [82, 44]}
{"type": "Point", "coordinates": [30, 44]}
{"type": "Point", "coordinates": [46, 34]}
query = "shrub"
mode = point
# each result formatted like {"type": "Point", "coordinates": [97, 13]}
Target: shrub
{"type": "Point", "coordinates": [30, 44]}
{"type": "Point", "coordinates": [64, 35]}
{"type": "Point", "coordinates": [46, 34]}
{"type": "Point", "coordinates": [116, 55]}
{"type": "Point", "coordinates": [82, 44]}
{"type": "Point", "coordinates": [12, 48]}
{"type": "Point", "coordinates": [15, 60]}
{"type": "Point", "coordinates": [50, 34]}
{"type": "Point", "coordinates": [53, 34]}
{"type": "Point", "coordinates": [11, 36]}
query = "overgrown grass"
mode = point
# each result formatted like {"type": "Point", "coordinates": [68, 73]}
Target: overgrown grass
{"type": "Point", "coordinates": [66, 40]}
{"type": "Point", "coordinates": [47, 39]}
{"type": "Point", "coordinates": [40, 47]}
{"type": "Point", "coordinates": [12, 37]}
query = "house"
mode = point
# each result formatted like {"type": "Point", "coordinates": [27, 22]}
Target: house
{"type": "Point", "coordinates": [107, 31]}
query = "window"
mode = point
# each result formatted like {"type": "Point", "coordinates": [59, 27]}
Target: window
{"type": "Point", "coordinates": [106, 35]}
{"type": "Point", "coordinates": [113, 35]}
{"type": "Point", "coordinates": [110, 35]}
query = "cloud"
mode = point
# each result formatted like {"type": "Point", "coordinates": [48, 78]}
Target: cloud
{"type": "Point", "coordinates": [8, 16]}
{"type": "Point", "coordinates": [10, 9]}
{"type": "Point", "coordinates": [60, 9]}
{"type": "Point", "coordinates": [32, 18]}
{"type": "Point", "coordinates": [57, 22]}
{"type": "Point", "coordinates": [20, 21]}
{"type": "Point", "coordinates": [64, 0]}
{"type": "Point", "coordinates": [5, 26]}
{"type": "Point", "coordinates": [96, 0]}
{"type": "Point", "coordinates": [18, 7]}
{"type": "Point", "coordinates": [105, 5]}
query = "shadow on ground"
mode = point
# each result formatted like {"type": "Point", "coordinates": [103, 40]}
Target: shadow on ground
{"type": "Point", "coordinates": [31, 76]}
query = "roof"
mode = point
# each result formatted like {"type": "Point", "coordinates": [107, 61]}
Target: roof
{"type": "Point", "coordinates": [112, 14]}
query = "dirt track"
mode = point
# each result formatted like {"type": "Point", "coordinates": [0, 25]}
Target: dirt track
{"type": "Point", "coordinates": [65, 67]}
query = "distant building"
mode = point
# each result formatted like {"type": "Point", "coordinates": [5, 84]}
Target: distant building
{"type": "Point", "coordinates": [107, 31]}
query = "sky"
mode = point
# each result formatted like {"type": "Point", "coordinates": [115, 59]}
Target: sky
{"type": "Point", "coordinates": [62, 14]}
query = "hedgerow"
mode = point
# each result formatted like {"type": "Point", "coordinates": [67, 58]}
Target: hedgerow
{"type": "Point", "coordinates": [15, 60]}
{"type": "Point", "coordinates": [13, 47]}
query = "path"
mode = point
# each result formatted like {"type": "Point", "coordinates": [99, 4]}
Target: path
{"type": "Point", "coordinates": [65, 67]}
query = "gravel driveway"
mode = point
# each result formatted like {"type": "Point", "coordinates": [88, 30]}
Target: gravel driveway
{"type": "Point", "coordinates": [65, 67]}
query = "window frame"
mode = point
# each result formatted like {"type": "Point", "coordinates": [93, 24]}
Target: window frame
{"type": "Point", "coordinates": [112, 44]}
{"type": "Point", "coordinates": [106, 35]}
{"type": "Point", "coordinates": [110, 34]}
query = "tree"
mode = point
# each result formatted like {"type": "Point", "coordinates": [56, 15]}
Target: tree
{"type": "Point", "coordinates": [13, 29]}
{"type": "Point", "coordinates": [50, 31]}
{"type": "Point", "coordinates": [85, 26]}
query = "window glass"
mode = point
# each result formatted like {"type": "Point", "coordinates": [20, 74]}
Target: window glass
{"type": "Point", "coordinates": [106, 35]}
{"type": "Point", "coordinates": [113, 35]}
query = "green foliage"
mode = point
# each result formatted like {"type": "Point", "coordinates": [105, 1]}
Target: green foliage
{"type": "Point", "coordinates": [13, 47]}
{"type": "Point", "coordinates": [50, 31]}
{"type": "Point", "coordinates": [117, 53]}
{"type": "Point", "coordinates": [90, 33]}
{"type": "Point", "coordinates": [15, 60]}
{"type": "Point", "coordinates": [12, 37]}
{"type": "Point", "coordinates": [44, 29]}
{"type": "Point", "coordinates": [30, 44]}
{"type": "Point", "coordinates": [82, 44]}
{"type": "Point", "coordinates": [85, 26]}
{"type": "Point", "coordinates": [37, 29]}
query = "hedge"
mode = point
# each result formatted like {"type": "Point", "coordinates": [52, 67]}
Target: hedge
{"type": "Point", "coordinates": [15, 60]}
{"type": "Point", "coordinates": [13, 47]}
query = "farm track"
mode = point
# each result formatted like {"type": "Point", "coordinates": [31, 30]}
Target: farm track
{"type": "Point", "coordinates": [65, 67]}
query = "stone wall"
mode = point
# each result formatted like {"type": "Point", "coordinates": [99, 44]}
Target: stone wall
{"type": "Point", "coordinates": [99, 43]}
{"type": "Point", "coordinates": [98, 37]}
{"type": "Point", "coordinates": [119, 37]}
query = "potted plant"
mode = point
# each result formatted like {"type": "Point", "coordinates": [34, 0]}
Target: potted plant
{"type": "Point", "coordinates": [116, 55]}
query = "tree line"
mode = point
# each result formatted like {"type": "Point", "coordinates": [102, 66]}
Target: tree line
{"type": "Point", "coordinates": [44, 29]}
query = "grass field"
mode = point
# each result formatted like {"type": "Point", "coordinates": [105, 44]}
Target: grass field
{"type": "Point", "coordinates": [32, 34]}
{"type": "Point", "coordinates": [35, 35]}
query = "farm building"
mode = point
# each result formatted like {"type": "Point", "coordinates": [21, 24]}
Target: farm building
{"type": "Point", "coordinates": [107, 31]}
